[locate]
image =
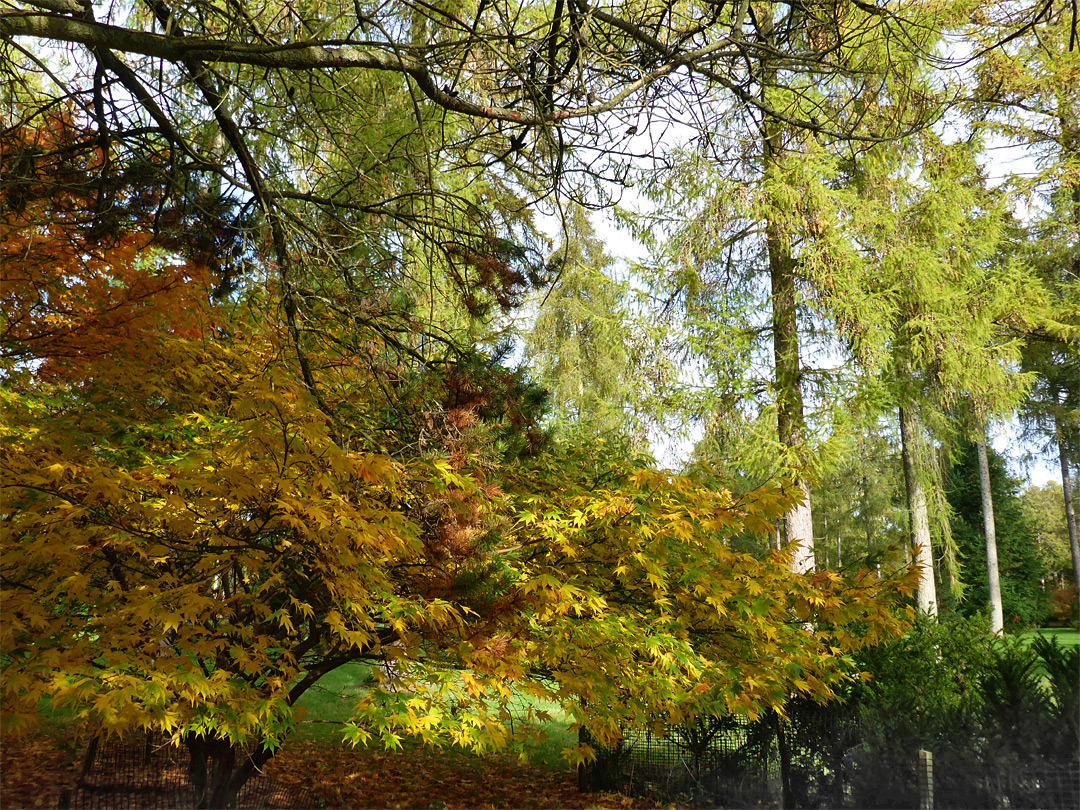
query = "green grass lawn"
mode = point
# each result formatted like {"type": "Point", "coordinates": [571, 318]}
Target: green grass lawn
{"type": "Point", "coordinates": [329, 703]}
{"type": "Point", "coordinates": [1065, 635]}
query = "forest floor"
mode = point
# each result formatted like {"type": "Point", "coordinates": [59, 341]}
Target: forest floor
{"type": "Point", "coordinates": [34, 773]}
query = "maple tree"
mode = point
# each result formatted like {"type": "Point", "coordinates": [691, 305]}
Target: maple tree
{"type": "Point", "coordinates": [192, 538]}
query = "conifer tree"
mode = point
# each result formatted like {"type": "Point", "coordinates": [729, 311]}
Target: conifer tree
{"type": "Point", "coordinates": [859, 512]}
{"type": "Point", "coordinates": [1029, 95]}
{"type": "Point", "coordinates": [951, 296]}
{"type": "Point", "coordinates": [1044, 509]}
{"type": "Point", "coordinates": [750, 217]}
{"type": "Point", "coordinates": [583, 346]}
{"type": "Point", "coordinates": [1022, 600]}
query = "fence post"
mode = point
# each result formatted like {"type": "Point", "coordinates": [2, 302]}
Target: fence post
{"type": "Point", "coordinates": [88, 759]}
{"type": "Point", "coordinates": [584, 781]}
{"type": "Point", "coordinates": [926, 780]}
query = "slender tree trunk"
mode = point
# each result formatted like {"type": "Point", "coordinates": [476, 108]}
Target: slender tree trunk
{"type": "Point", "coordinates": [1070, 132]}
{"type": "Point", "coordinates": [825, 540]}
{"type": "Point", "coordinates": [799, 522]}
{"type": "Point", "coordinates": [1070, 516]}
{"type": "Point", "coordinates": [997, 617]}
{"type": "Point", "coordinates": [864, 508]}
{"type": "Point", "coordinates": [787, 793]}
{"type": "Point", "coordinates": [918, 516]}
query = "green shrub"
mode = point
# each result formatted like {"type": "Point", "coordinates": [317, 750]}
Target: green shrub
{"type": "Point", "coordinates": [1061, 666]}
{"type": "Point", "coordinates": [925, 687]}
{"type": "Point", "coordinates": [951, 685]}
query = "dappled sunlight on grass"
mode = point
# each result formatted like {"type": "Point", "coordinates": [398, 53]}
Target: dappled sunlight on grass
{"type": "Point", "coordinates": [326, 706]}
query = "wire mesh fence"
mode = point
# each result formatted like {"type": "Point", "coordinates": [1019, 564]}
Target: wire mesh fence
{"type": "Point", "coordinates": [719, 761]}
{"type": "Point", "coordinates": [148, 773]}
{"type": "Point", "coordinates": [1037, 786]}
{"type": "Point", "coordinates": [816, 759]}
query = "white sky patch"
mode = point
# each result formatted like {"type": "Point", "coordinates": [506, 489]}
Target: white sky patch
{"type": "Point", "coordinates": [1020, 455]}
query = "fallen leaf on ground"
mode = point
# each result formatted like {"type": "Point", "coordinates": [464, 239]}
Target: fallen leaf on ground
{"type": "Point", "coordinates": [34, 773]}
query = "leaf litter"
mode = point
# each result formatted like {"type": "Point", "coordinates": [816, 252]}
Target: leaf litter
{"type": "Point", "coordinates": [35, 771]}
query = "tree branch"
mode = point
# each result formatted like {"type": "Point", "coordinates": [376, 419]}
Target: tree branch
{"type": "Point", "coordinates": [315, 54]}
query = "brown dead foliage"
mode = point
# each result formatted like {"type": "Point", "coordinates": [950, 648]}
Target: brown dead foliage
{"type": "Point", "coordinates": [34, 772]}
{"type": "Point", "coordinates": [431, 779]}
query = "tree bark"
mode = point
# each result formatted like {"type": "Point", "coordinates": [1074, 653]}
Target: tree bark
{"type": "Point", "coordinates": [216, 777]}
{"type": "Point", "coordinates": [1070, 517]}
{"type": "Point", "coordinates": [997, 618]}
{"type": "Point", "coordinates": [799, 521]}
{"type": "Point", "coordinates": [918, 517]}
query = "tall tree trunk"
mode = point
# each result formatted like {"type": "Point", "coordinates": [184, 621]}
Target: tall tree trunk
{"type": "Point", "coordinates": [799, 522]}
{"type": "Point", "coordinates": [997, 618]}
{"type": "Point", "coordinates": [918, 517]}
{"type": "Point", "coordinates": [1070, 514]}
{"type": "Point", "coordinates": [1070, 139]}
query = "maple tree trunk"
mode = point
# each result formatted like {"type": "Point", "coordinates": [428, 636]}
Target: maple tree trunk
{"type": "Point", "coordinates": [215, 777]}
{"type": "Point", "coordinates": [997, 617]}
